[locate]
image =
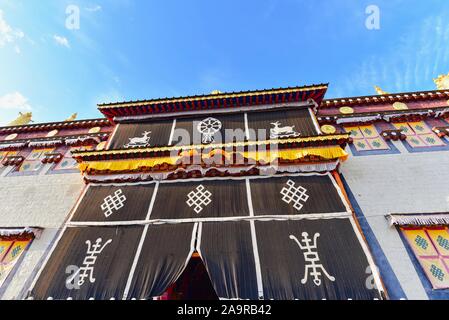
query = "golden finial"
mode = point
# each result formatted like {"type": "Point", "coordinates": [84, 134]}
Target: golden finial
{"type": "Point", "coordinates": [22, 119]}
{"type": "Point", "coordinates": [71, 118]}
{"type": "Point", "coordinates": [380, 91]}
{"type": "Point", "coordinates": [216, 92]}
{"type": "Point", "coordinates": [442, 81]}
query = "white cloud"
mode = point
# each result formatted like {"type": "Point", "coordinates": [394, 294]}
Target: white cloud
{"type": "Point", "coordinates": [94, 8]}
{"type": "Point", "coordinates": [61, 41]}
{"type": "Point", "coordinates": [14, 101]}
{"type": "Point", "coordinates": [7, 33]}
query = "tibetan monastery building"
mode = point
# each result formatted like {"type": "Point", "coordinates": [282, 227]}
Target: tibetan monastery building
{"type": "Point", "coordinates": [266, 194]}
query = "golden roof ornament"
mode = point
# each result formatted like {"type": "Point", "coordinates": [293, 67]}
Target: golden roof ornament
{"type": "Point", "coordinates": [442, 82]}
{"type": "Point", "coordinates": [380, 91]}
{"type": "Point", "coordinates": [71, 118]}
{"type": "Point", "coordinates": [22, 119]}
{"type": "Point", "coordinates": [216, 92]}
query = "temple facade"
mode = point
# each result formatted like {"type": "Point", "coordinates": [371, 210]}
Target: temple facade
{"type": "Point", "coordinates": [266, 194]}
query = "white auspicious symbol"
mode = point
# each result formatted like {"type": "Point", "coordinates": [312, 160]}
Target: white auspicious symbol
{"type": "Point", "coordinates": [199, 198]}
{"type": "Point", "coordinates": [313, 267]}
{"type": "Point", "coordinates": [113, 202]}
{"type": "Point", "coordinates": [282, 132]}
{"type": "Point", "coordinates": [208, 127]}
{"type": "Point", "coordinates": [87, 270]}
{"type": "Point", "coordinates": [294, 194]}
{"type": "Point", "coordinates": [143, 141]}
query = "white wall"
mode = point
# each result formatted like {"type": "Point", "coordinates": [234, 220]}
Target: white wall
{"type": "Point", "coordinates": [35, 201]}
{"type": "Point", "coordinates": [401, 183]}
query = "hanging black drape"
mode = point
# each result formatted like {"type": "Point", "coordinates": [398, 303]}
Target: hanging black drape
{"type": "Point", "coordinates": [110, 270]}
{"type": "Point", "coordinates": [227, 251]}
{"type": "Point", "coordinates": [299, 118]}
{"type": "Point", "coordinates": [115, 203]}
{"type": "Point", "coordinates": [165, 253]}
{"type": "Point", "coordinates": [283, 262]}
{"type": "Point", "coordinates": [322, 195]}
{"type": "Point", "coordinates": [159, 136]}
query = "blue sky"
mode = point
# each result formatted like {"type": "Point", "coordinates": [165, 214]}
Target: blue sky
{"type": "Point", "coordinates": [137, 49]}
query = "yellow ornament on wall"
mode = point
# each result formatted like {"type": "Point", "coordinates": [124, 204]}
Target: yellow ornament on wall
{"type": "Point", "coordinates": [101, 146]}
{"type": "Point", "coordinates": [400, 106]}
{"type": "Point", "coordinates": [346, 110]}
{"type": "Point", "coordinates": [94, 130]}
{"type": "Point", "coordinates": [52, 133]}
{"type": "Point", "coordinates": [328, 129]}
{"type": "Point", "coordinates": [12, 136]}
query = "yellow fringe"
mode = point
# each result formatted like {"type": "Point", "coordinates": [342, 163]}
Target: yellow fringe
{"type": "Point", "coordinates": [326, 153]}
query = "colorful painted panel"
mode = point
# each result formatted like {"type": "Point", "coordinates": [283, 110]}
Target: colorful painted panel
{"type": "Point", "coordinates": [33, 161]}
{"type": "Point", "coordinates": [419, 134]}
{"type": "Point", "coordinates": [431, 248]}
{"type": "Point", "coordinates": [68, 163]}
{"type": "Point", "coordinates": [10, 251]}
{"type": "Point", "coordinates": [367, 138]}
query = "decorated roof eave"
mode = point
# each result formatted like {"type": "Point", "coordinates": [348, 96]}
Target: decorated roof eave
{"type": "Point", "coordinates": [383, 115]}
{"type": "Point", "coordinates": [387, 98]}
{"type": "Point", "coordinates": [24, 142]}
{"type": "Point", "coordinates": [214, 101]}
{"type": "Point", "coordinates": [101, 122]}
{"type": "Point", "coordinates": [332, 139]}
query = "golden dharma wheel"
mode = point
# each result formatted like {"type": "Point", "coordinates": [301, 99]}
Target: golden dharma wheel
{"type": "Point", "coordinates": [52, 133]}
{"type": "Point", "coordinates": [12, 136]}
{"type": "Point", "coordinates": [346, 110]}
{"type": "Point", "coordinates": [101, 146]}
{"type": "Point", "coordinates": [328, 129]}
{"type": "Point", "coordinates": [400, 106]}
{"type": "Point", "coordinates": [94, 130]}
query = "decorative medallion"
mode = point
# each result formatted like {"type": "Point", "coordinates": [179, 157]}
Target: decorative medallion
{"type": "Point", "coordinates": [282, 132]}
{"type": "Point", "coordinates": [296, 195]}
{"type": "Point", "coordinates": [101, 146]}
{"type": "Point", "coordinates": [208, 127]}
{"type": "Point", "coordinates": [12, 136]}
{"type": "Point", "coordinates": [199, 198]}
{"type": "Point", "coordinates": [94, 130]}
{"type": "Point", "coordinates": [52, 133]}
{"type": "Point", "coordinates": [442, 82]}
{"type": "Point", "coordinates": [143, 141]}
{"type": "Point", "coordinates": [328, 129]}
{"type": "Point", "coordinates": [313, 267]}
{"type": "Point", "coordinates": [400, 106]}
{"type": "Point", "coordinates": [346, 110]}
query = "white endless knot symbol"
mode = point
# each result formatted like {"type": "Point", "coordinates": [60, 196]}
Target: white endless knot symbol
{"type": "Point", "coordinates": [294, 194]}
{"type": "Point", "coordinates": [113, 202]}
{"type": "Point", "coordinates": [208, 127]}
{"type": "Point", "coordinates": [87, 270]}
{"type": "Point", "coordinates": [199, 198]}
{"type": "Point", "coordinates": [310, 251]}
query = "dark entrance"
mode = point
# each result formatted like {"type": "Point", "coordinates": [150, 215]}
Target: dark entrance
{"type": "Point", "coordinates": [193, 284]}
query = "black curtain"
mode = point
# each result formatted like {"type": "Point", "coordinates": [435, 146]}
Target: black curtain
{"type": "Point", "coordinates": [227, 251]}
{"type": "Point", "coordinates": [228, 121]}
{"type": "Point", "coordinates": [225, 198]}
{"type": "Point", "coordinates": [165, 253]}
{"type": "Point", "coordinates": [299, 118]}
{"type": "Point", "coordinates": [110, 269]}
{"type": "Point", "coordinates": [283, 262]}
{"type": "Point", "coordinates": [160, 133]}
{"type": "Point", "coordinates": [322, 195]}
{"type": "Point", "coordinates": [115, 203]}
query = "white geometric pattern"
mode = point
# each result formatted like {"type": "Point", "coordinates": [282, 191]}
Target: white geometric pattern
{"type": "Point", "coordinates": [199, 198]}
{"type": "Point", "coordinates": [294, 194]}
{"type": "Point", "coordinates": [113, 202]}
{"type": "Point", "coordinates": [313, 267]}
